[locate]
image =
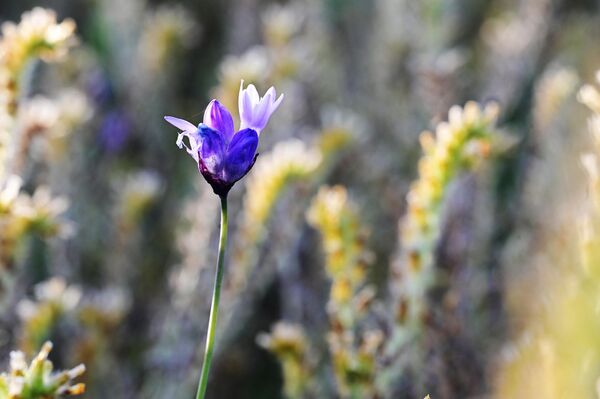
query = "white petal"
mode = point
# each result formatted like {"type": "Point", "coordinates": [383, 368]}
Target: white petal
{"type": "Point", "coordinates": [192, 149]}
{"type": "Point", "coordinates": [181, 124]}
{"type": "Point", "coordinates": [271, 92]}
{"type": "Point", "coordinates": [246, 110]}
{"type": "Point", "coordinates": [261, 117]}
{"type": "Point", "coordinates": [275, 104]}
{"type": "Point", "coordinates": [253, 93]}
{"type": "Point", "coordinates": [241, 100]}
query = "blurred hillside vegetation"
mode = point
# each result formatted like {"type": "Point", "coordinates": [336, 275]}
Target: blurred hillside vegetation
{"type": "Point", "coordinates": [423, 217]}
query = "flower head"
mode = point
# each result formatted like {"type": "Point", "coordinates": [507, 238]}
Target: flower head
{"type": "Point", "coordinates": [223, 155]}
{"type": "Point", "coordinates": [255, 111]}
{"type": "Point", "coordinates": [37, 379]}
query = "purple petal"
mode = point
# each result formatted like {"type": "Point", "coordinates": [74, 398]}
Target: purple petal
{"type": "Point", "coordinates": [241, 154]}
{"type": "Point", "coordinates": [218, 118]}
{"type": "Point", "coordinates": [181, 124]}
{"type": "Point", "coordinates": [211, 150]}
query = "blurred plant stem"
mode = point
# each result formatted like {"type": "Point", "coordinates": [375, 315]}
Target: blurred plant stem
{"type": "Point", "coordinates": [214, 307]}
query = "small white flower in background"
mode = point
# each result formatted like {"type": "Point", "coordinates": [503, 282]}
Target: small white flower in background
{"type": "Point", "coordinates": [9, 192]}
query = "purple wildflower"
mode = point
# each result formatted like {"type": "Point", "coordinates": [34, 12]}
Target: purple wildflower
{"type": "Point", "coordinates": [115, 130]}
{"type": "Point", "coordinates": [223, 155]}
{"type": "Point", "coordinates": [99, 87]}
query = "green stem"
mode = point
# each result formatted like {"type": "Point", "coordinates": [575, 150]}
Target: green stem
{"type": "Point", "coordinates": [214, 307]}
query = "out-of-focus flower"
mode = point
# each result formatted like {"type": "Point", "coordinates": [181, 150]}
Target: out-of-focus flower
{"type": "Point", "coordinates": [589, 95]}
{"type": "Point", "coordinates": [51, 120]}
{"type": "Point", "coordinates": [53, 298]}
{"type": "Point", "coordinates": [139, 192]}
{"type": "Point", "coordinates": [167, 29]}
{"type": "Point", "coordinates": [98, 86]}
{"type": "Point", "coordinates": [21, 214]}
{"type": "Point", "coordinates": [347, 258]}
{"type": "Point", "coordinates": [224, 157]}
{"type": "Point", "coordinates": [37, 380]}
{"type": "Point", "coordinates": [288, 342]}
{"type": "Point", "coordinates": [42, 212]}
{"type": "Point", "coordinates": [285, 339]}
{"type": "Point", "coordinates": [74, 110]}
{"type": "Point", "coordinates": [9, 193]}
{"type": "Point", "coordinates": [340, 127]}
{"type": "Point", "coordinates": [254, 65]}
{"type": "Point", "coordinates": [459, 144]}
{"type": "Point", "coordinates": [289, 162]}
{"type": "Point", "coordinates": [37, 34]}
{"type": "Point", "coordinates": [556, 352]}
{"type": "Point", "coordinates": [513, 41]}
{"type": "Point", "coordinates": [12, 227]}
{"type": "Point", "coordinates": [555, 85]}
{"type": "Point", "coordinates": [104, 309]}
{"type": "Point", "coordinates": [38, 114]}
{"type": "Point", "coordinates": [336, 217]}
{"type": "Point", "coordinates": [115, 131]}
{"type": "Point", "coordinates": [56, 290]}
{"type": "Point", "coordinates": [280, 24]}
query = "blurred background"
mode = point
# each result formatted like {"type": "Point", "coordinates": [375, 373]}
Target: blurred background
{"type": "Point", "coordinates": [366, 259]}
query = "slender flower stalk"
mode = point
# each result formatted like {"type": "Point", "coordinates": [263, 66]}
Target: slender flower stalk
{"type": "Point", "coordinates": [214, 307]}
{"type": "Point", "coordinates": [223, 157]}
